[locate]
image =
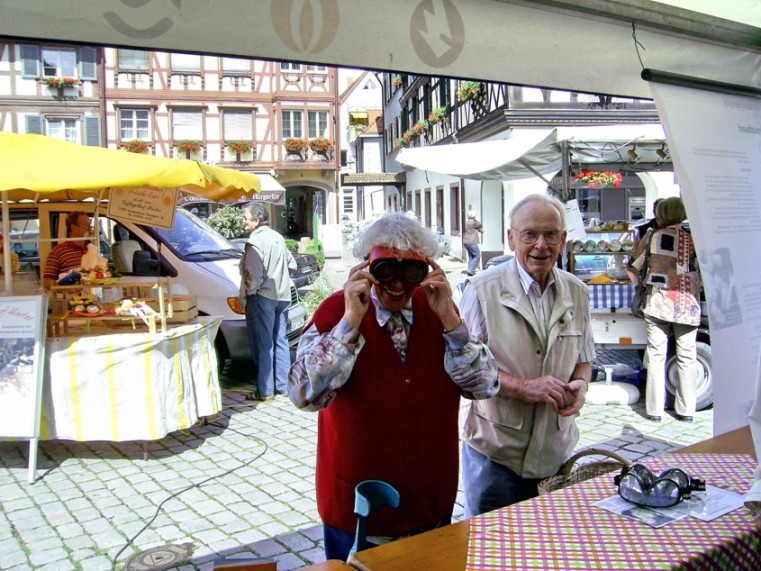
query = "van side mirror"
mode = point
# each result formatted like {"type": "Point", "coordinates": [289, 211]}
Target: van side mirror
{"type": "Point", "coordinates": [143, 264]}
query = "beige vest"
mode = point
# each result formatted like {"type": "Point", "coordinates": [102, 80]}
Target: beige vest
{"type": "Point", "coordinates": [529, 438]}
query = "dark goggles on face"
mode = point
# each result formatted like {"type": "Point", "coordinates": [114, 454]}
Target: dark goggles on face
{"type": "Point", "coordinates": [637, 484]}
{"type": "Point", "coordinates": [410, 271]}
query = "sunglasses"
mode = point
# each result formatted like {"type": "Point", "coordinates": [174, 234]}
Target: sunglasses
{"type": "Point", "coordinates": [410, 271]}
{"type": "Point", "coordinates": [637, 484]}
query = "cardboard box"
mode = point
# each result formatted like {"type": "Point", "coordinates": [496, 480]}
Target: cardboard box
{"type": "Point", "coordinates": [183, 307]}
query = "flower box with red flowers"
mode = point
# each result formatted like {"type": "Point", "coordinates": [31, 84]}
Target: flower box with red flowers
{"type": "Point", "coordinates": [240, 147]}
{"type": "Point", "coordinates": [136, 146]}
{"type": "Point", "coordinates": [60, 82]}
{"type": "Point", "coordinates": [296, 146]}
{"type": "Point", "coordinates": [321, 145]}
{"type": "Point", "coordinates": [188, 146]}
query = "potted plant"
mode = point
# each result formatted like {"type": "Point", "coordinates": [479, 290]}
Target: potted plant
{"type": "Point", "coordinates": [136, 146]}
{"type": "Point", "coordinates": [296, 146]}
{"type": "Point", "coordinates": [59, 82]}
{"type": "Point", "coordinates": [240, 147]}
{"type": "Point", "coordinates": [188, 146]}
{"type": "Point", "coordinates": [599, 178]}
{"type": "Point", "coordinates": [398, 80]}
{"type": "Point", "coordinates": [420, 127]}
{"type": "Point", "coordinates": [438, 114]}
{"type": "Point", "coordinates": [468, 91]}
{"type": "Point", "coordinates": [321, 146]}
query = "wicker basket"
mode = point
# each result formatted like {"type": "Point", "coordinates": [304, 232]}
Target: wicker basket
{"type": "Point", "coordinates": [567, 475]}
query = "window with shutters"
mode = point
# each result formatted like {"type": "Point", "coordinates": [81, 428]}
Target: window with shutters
{"type": "Point", "coordinates": [293, 124]}
{"type": "Point", "coordinates": [132, 60]}
{"type": "Point", "coordinates": [134, 124]}
{"type": "Point", "coordinates": [454, 209]}
{"type": "Point", "coordinates": [186, 63]}
{"type": "Point", "coordinates": [63, 128]}
{"type": "Point", "coordinates": [187, 125]}
{"type": "Point", "coordinates": [348, 201]}
{"type": "Point", "coordinates": [318, 124]}
{"type": "Point", "coordinates": [236, 66]}
{"type": "Point", "coordinates": [238, 125]}
{"type": "Point", "coordinates": [57, 62]}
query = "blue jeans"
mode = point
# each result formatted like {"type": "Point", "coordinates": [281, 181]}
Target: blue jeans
{"type": "Point", "coordinates": [474, 255]}
{"type": "Point", "coordinates": [267, 322]}
{"type": "Point", "coordinates": [489, 486]}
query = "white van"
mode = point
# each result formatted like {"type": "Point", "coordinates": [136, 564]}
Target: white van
{"type": "Point", "coordinates": [198, 260]}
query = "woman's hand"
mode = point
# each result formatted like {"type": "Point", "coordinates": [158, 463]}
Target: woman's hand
{"type": "Point", "coordinates": [438, 292]}
{"type": "Point", "coordinates": [357, 293]}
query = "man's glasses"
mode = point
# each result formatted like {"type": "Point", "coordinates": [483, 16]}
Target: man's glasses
{"type": "Point", "coordinates": [410, 271]}
{"type": "Point", "coordinates": [551, 237]}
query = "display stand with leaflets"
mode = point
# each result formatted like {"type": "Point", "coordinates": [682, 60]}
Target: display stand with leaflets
{"type": "Point", "coordinates": [22, 355]}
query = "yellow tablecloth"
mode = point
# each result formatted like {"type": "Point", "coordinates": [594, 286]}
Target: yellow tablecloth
{"type": "Point", "coordinates": [130, 386]}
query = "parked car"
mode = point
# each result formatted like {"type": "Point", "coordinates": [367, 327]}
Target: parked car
{"type": "Point", "coordinates": [307, 270]}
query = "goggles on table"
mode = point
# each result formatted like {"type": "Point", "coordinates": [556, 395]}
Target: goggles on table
{"type": "Point", "coordinates": [639, 485]}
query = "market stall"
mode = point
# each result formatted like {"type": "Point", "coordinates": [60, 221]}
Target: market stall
{"type": "Point", "coordinates": [104, 380]}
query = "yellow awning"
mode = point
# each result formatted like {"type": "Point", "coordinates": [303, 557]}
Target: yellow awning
{"type": "Point", "coordinates": [31, 164]}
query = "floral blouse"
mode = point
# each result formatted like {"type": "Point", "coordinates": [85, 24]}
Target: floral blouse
{"type": "Point", "coordinates": [672, 276]}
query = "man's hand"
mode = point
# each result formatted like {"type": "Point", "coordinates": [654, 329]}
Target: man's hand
{"type": "Point", "coordinates": [575, 396]}
{"type": "Point", "coordinates": [438, 292]}
{"type": "Point", "coordinates": [546, 389]}
{"type": "Point", "coordinates": [357, 293]}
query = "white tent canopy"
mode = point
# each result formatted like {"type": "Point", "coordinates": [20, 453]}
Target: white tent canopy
{"type": "Point", "coordinates": [574, 45]}
{"type": "Point", "coordinates": [533, 152]}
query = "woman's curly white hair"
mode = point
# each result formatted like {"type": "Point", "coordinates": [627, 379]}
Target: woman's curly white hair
{"type": "Point", "coordinates": [399, 232]}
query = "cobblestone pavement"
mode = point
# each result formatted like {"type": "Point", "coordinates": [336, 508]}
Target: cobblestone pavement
{"type": "Point", "coordinates": [241, 485]}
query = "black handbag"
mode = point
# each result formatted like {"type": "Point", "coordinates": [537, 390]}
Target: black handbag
{"type": "Point", "coordinates": [640, 290]}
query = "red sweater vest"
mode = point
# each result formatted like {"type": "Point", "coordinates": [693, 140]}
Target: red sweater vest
{"type": "Point", "coordinates": [391, 421]}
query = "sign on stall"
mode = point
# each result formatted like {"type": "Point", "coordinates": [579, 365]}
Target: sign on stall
{"type": "Point", "coordinates": [144, 205]}
{"type": "Point", "coordinates": [22, 356]}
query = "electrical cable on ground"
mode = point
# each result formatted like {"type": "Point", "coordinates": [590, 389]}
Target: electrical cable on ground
{"type": "Point", "coordinates": [193, 486]}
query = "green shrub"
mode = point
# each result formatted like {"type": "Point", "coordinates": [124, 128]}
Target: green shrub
{"type": "Point", "coordinates": [228, 221]}
{"type": "Point", "coordinates": [315, 248]}
{"type": "Point", "coordinates": [292, 245]}
{"type": "Point", "coordinates": [321, 289]}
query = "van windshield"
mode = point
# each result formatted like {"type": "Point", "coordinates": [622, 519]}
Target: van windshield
{"type": "Point", "coordinates": [194, 240]}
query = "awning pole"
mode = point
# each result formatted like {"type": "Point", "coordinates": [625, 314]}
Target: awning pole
{"type": "Point", "coordinates": [658, 76]}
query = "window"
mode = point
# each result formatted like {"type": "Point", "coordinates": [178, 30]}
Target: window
{"type": "Point", "coordinates": [186, 63]}
{"type": "Point", "coordinates": [187, 125]}
{"type": "Point", "coordinates": [317, 68]}
{"type": "Point", "coordinates": [454, 209]}
{"type": "Point", "coordinates": [236, 66]}
{"type": "Point", "coordinates": [348, 201]}
{"type": "Point", "coordinates": [59, 62]}
{"type": "Point", "coordinates": [290, 66]}
{"type": "Point", "coordinates": [440, 207]}
{"type": "Point", "coordinates": [238, 125]}
{"type": "Point", "coordinates": [132, 60]}
{"type": "Point", "coordinates": [134, 124]}
{"type": "Point", "coordinates": [318, 124]}
{"type": "Point", "coordinates": [292, 125]}
{"type": "Point", "coordinates": [54, 62]}
{"type": "Point", "coordinates": [65, 129]}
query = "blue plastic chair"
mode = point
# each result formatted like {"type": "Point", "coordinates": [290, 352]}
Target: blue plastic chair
{"type": "Point", "coordinates": [369, 495]}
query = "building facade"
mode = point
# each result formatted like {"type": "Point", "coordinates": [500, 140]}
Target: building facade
{"type": "Point", "coordinates": [278, 120]}
{"type": "Point", "coordinates": [422, 111]}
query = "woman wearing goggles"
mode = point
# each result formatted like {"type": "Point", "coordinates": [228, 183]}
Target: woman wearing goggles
{"type": "Point", "coordinates": [386, 361]}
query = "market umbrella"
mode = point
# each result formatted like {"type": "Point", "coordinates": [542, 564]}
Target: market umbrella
{"type": "Point", "coordinates": [31, 164]}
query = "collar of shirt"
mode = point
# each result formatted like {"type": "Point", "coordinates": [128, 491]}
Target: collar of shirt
{"type": "Point", "coordinates": [383, 315]}
{"type": "Point", "coordinates": [527, 281]}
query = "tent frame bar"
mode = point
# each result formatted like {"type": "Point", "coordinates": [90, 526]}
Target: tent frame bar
{"type": "Point", "coordinates": [669, 78]}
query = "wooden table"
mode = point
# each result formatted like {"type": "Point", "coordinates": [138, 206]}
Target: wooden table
{"type": "Point", "coordinates": [331, 565]}
{"type": "Point", "coordinates": [445, 549]}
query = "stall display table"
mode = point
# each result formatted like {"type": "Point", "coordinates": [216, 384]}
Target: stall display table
{"type": "Point", "coordinates": [133, 386]}
{"type": "Point", "coordinates": [447, 548]}
{"type": "Point", "coordinates": [613, 296]}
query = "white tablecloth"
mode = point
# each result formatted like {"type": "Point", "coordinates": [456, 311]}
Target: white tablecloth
{"type": "Point", "coordinates": [130, 386]}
